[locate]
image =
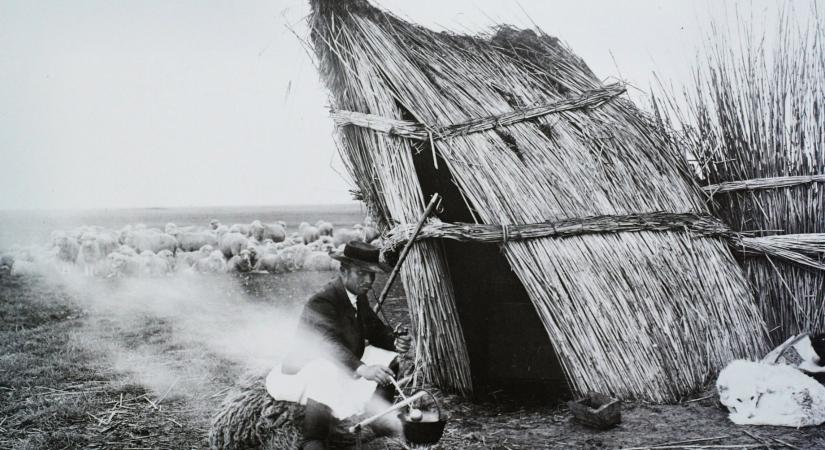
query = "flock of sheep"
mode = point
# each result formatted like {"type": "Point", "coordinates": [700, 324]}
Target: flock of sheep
{"type": "Point", "coordinates": [150, 252]}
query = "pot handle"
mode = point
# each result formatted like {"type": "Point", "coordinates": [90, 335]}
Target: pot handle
{"type": "Point", "coordinates": [392, 408]}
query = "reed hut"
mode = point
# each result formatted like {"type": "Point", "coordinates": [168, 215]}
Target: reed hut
{"type": "Point", "coordinates": [572, 241]}
{"type": "Point", "coordinates": [754, 120]}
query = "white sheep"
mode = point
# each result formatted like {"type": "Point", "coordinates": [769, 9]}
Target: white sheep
{"type": "Point", "coordinates": [89, 255]}
{"type": "Point", "coordinates": [189, 241]}
{"type": "Point", "coordinates": [309, 234]}
{"type": "Point", "coordinates": [320, 261]}
{"type": "Point", "coordinates": [240, 263]}
{"type": "Point", "coordinates": [81, 230]}
{"type": "Point", "coordinates": [214, 263]}
{"type": "Point", "coordinates": [152, 265]}
{"type": "Point", "coordinates": [187, 260]}
{"type": "Point", "coordinates": [344, 235]}
{"type": "Point", "coordinates": [173, 229]}
{"type": "Point", "coordinates": [370, 233]}
{"type": "Point", "coordinates": [296, 256]}
{"type": "Point", "coordinates": [274, 232]}
{"type": "Point", "coordinates": [767, 394]}
{"type": "Point", "coordinates": [325, 228]}
{"type": "Point", "coordinates": [123, 233]}
{"type": "Point", "coordinates": [152, 240]}
{"type": "Point", "coordinates": [231, 244]}
{"type": "Point", "coordinates": [126, 250]}
{"type": "Point", "coordinates": [274, 263]}
{"type": "Point", "coordinates": [267, 231]}
{"type": "Point", "coordinates": [169, 257]}
{"type": "Point", "coordinates": [67, 247]}
{"type": "Point", "coordinates": [107, 241]}
{"type": "Point", "coordinates": [241, 228]}
{"type": "Point", "coordinates": [256, 230]}
{"type": "Point", "coordinates": [122, 264]}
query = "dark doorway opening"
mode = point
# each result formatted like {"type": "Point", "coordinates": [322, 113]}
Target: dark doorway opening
{"type": "Point", "coordinates": [510, 353]}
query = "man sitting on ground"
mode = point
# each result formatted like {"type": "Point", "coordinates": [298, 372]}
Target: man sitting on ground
{"type": "Point", "coordinates": [335, 325]}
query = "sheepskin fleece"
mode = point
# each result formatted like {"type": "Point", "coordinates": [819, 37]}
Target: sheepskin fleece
{"type": "Point", "coordinates": [766, 394]}
{"type": "Point", "coordinates": [249, 418]}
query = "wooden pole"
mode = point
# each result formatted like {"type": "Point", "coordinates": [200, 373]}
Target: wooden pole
{"type": "Point", "coordinates": [433, 201]}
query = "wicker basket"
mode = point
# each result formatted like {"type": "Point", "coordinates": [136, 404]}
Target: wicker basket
{"type": "Point", "coordinates": [597, 411]}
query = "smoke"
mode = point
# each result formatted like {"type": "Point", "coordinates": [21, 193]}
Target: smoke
{"type": "Point", "coordinates": [187, 335]}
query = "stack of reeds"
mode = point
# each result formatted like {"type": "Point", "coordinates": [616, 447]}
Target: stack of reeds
{"type": "Point", "coordinates": [755, 122]}
{"type": "Point", "coordinates": [641, 314]}
{"type": "Point", "coordinates": [386, 178]}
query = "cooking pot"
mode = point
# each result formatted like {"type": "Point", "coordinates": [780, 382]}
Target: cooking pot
{"type": "Point", "coordinates": [426, 431]}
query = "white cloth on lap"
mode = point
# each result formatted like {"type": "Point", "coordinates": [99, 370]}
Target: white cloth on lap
{"type": "Point", "coordinates": [329, 383]}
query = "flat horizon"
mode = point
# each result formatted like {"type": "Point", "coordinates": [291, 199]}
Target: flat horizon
{"type": "Point", "coordinates": [126, 208]}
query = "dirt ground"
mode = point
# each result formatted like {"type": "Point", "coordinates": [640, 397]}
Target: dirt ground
{"type": "Point", "coordinates": [60, 388]}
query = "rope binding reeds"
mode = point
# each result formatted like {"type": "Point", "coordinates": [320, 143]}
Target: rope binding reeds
{"type": "Point", "coordinates": [788, 247]}
{"type": "Point", "coordinates": [412, 130]}
{"type": "Point", "coordinates": [762, 183]}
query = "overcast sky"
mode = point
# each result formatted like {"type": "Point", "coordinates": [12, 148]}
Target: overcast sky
{"type": "Point", "coordinates": [201, 103]}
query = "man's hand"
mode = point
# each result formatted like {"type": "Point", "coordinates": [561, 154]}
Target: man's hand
{"type": "Point", "coordinates": [380, 374]}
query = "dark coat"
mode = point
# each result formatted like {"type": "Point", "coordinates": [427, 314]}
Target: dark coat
{"type": "Point", "coordinates": [329, 319]}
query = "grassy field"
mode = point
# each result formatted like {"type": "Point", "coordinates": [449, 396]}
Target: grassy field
{"type": "Point", "coordinates": [82, 366]}
{"type": "Point", "coordinates": [57, 394]}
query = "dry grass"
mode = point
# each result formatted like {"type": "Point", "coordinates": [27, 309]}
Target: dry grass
{"type": "Point", "coordinates": [57, 395]}
{"type": "Point", "coordinates": [647, 314]}
{"type": "Point", "coordinates": [754, 121]}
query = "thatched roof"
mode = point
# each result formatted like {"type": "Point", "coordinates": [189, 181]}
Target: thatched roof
{"type": "Point", "coordinates": [646, 314]}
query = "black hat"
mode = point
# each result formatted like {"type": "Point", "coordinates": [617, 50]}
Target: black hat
{"type": "Point", "coordinates": [361, 255]}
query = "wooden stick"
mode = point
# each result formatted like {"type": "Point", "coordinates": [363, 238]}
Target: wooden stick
{"type": "Point", "coordinates": [697, 446]}
{"type": "Point", "coordinates": [167, 391]}
{"type": "Point", "coordinates": [405, 251]}
{"type": "Point", "coordinates": [757, 438]}
{"type": "Point", "coordinates": [392, 408]}
{"type": "Point", "coordinates": [785, 443]}
{"type": "Point", "coordinates": [700, 398]}
{"type": "Point", "coordinates": [689, 441]}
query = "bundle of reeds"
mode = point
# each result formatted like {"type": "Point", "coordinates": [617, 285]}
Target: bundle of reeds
{"type": "Point", "coordinates": [755, 122]}
{"type": "Point", "coordinates": [250, 419]}
{"type": "Point", "coordinates": [647, 314]}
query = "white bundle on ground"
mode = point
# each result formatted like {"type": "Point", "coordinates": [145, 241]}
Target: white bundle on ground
{"type": "Point", "coordinates": [766, 394]}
